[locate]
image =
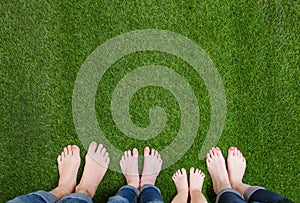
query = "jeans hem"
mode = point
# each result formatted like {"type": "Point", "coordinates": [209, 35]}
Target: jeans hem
{"type": "Point", "coordinates": [79, 196]}
{"type": "Point", "coordinates": [227, 190]}
{"type": "Point", "coordinates": [247, 194]}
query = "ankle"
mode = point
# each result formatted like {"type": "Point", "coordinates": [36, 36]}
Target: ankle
{"type": "Point", "coordinates": [195, 192]}
{"type": "Point", "coordinates": [134, 184]}
{"type": "Point", "coordinates": [182, 191]}
{"type": "Point", "coordinates": [83, 190]}
{"type": "Point", "coordinates": [236, 185]}
{"type": "Point", "coordinates": [223, 185]}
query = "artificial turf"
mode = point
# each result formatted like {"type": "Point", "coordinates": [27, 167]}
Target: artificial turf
{"type": "Point", "coordinates": [253, 44]}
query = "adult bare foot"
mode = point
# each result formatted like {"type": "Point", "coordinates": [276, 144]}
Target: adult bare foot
{"type": "Point", "coordinates": [196, 183]}
{"type": "Point", "coordinates": [68, 164]}
{"type": "Point", "coordinates": [96, 163]}
{"type": "Point", "coordinates": [129, 167]}
{"type": "Point", "coordinates": [236, 164]}
{"type": "Point", "coordinates": [152, 166]}
{"type": "Point", "coordinates": [180, 180]}
{"type": "Point", "coordinates": [217, 169]}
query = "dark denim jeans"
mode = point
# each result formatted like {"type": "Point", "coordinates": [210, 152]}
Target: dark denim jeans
{"type": "Point", "coordinates": [129, 194]}
{"type": "Point", "coordinates": [253, 194]}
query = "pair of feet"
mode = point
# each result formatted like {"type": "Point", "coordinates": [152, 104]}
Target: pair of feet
{"type": "Point", "coordinates": [222, 177]}
{"type": "Point", "coordinates": [230, 177]}
{"type": "Point", "coordinates": [195, 185]}
{"type": "Point", "coordinates": [96, 163]}
{"type": "Point", "coordinates": [151, 167]}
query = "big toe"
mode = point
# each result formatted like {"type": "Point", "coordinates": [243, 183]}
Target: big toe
{"type": "Point", "coordinates": [92, 147]}
{"type": "Point", "coordinates": [146, 151]}
{"type": "Point", "coordinates": [135, 152]}
{"type": "Point", "coordinates": [75, 150]}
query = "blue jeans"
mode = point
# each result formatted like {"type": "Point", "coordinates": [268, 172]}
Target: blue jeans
{"type": "Point", "coordinates": [46, 197]}
{"type": "Point", "coordinates": [253, 194]}
{"type": "Point", "coordinates": [129, 194]}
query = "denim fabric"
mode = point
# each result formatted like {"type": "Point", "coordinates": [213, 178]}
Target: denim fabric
{"type": "Point", "coordinates": [36, 197]}
{"type": "Point", "coordinates": [259, 194]}
{"type": "Point", "coordinates": [150, 194]}
{"type": "Point", "coordinates": [46, 197]}
{"type": "Point", "coordinates": [129, 194]}
{"type": "Point", "coordinates": [126, 194]}
{"type": "Point", "coordinates": [76, 198]}
{"type": "Point", "coordinates": [229, 195]}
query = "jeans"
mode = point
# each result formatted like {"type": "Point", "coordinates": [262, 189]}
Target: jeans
{"type": "Point", "coordinates": [253, 194]}
{"type": "Point", "coordinates": [46, 197]}
{"type": "Point", "coordinates": [126, 194]}
{"type": "Point", "coordinates": [129, 194]}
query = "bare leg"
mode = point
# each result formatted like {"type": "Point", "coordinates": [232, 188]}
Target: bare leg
{"type": "Point", "coordinates": [181, 183]}
{"type": "Point", "coordinates": [196, 182]}
{"type": "Point", "coordinates": [152, 166]}
{"type": "Point", "coordinates": [217, 169]}
{"type": "Point", "coordinates": [129, 166]}
{"type": "Point", "coordinates": [96, 163]}
{"type": "Point", "coordinates": [236, 163]}
{"type": "Point", "coordinates": [68, 164]}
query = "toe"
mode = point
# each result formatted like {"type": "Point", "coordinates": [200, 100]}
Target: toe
{"type": "Point", "coordinates": [146, 151]}
{"type": "Point", "coordinates": [69, 150]}
{"type": "Point", "coordinates": [92, 147]}
{"type": "Point", "coordinates": [230, 151]}
{"type": "Point", "coordinates": [59, 158]}
{"type": "Point", "coordinates": [135, 152]}
{"type": "Point", "coordinates": [75, 149]}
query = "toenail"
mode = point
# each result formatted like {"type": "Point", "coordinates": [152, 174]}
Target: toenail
{"type": "Point", "coordinates": [231, 148]}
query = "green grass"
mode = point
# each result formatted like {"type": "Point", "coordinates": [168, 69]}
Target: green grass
{"type": "Point", "coordinates": [253, 44]}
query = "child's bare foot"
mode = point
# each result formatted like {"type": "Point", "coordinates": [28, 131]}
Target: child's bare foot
{"type": "Point", "coordinates": [181, 183]}
{"type": "Point", "coordinates": [129, 166]}
{"type": "Point", "coordinates": [96, 163]}
{"type": "Point", "coordinates": [196, 179]}
{"type": "Point", "coordinates": [68, 164]}
{"type": "Point", "coordinates": [152, 166]}
{"type": "Point", "coordinates": [196, 183]}
{"type": "Point", "coordinates": [217, 169]}
{"type": "Point", "coordinates": [236, 164]}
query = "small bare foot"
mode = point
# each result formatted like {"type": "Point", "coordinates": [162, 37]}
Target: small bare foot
{"type": "Point", "coordinates": [129, 167]}
{"type": "Point", "coordinates": [196, 183]}
{"type": "Point", "coordinates": [236, 164]}
{"type": "Point", "coordinates": [68, 164]}
{"type": "Point", "coordinates": [196, 179]}
{"type": "Point", "coordinates": [96, 163]}
{"type": "Point", "coordinates": [152, 166]}
{"type": "Point", "coordinates": [181, 183]}
{"type": "Point", "coordinates": [217, 169]}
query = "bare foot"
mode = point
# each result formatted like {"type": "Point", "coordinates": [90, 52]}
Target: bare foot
{"type": "Point", "coordinates": [196, 183]}
{"type": "Point", "coordinates": [68, 164]}
{"type": "Point", "coordinates": [236, 164]}
{"type": "Point", "coordinates": [129, 167]}
{"type": "Point", "coordinates": [96, 163]}
{"type": "Point", "coordinates": [217, 169]}
{"type": "Point", "coordinates": [181, 183]}
{"type": "Point", "coordinates": [152, 166]}
{"type": "Point", "coordinates": [196, 179]}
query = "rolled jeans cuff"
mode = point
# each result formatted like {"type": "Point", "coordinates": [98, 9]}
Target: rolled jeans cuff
{"type": "Point", "coordinates": [150, 186]}
{"type": "Point", "coordinates": [227, 190]}
{"type": "Point", "coordinates": [126, 194]}
{"type": "Point", "coordinates": [78, 196]}
{"type": "Point", "coordinates": [247, 194]}
{"type": "Point", "coordinates": [38, 196]}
